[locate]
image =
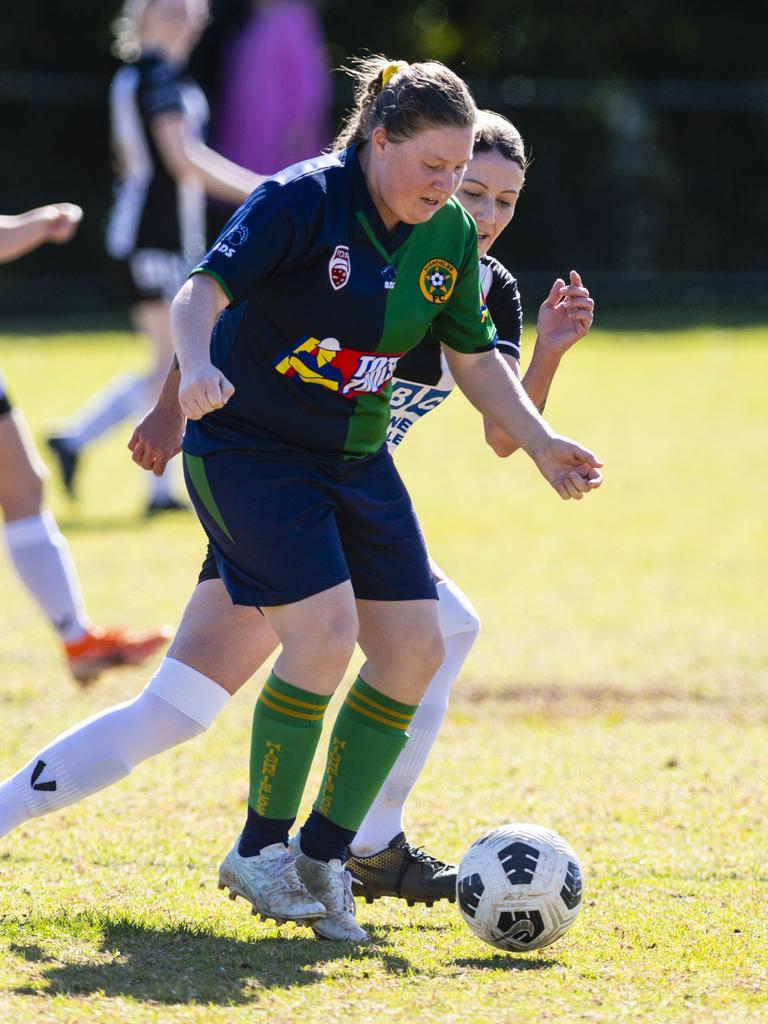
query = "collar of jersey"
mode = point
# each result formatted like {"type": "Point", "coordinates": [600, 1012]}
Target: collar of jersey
{"type": "Point", "coordinates": [387, 242]}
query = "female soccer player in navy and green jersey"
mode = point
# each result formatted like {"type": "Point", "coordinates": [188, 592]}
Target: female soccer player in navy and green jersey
{"type": "Point", "coordinates": [288, 334]}
{"type": "Point", "coordinates": [353, 492]}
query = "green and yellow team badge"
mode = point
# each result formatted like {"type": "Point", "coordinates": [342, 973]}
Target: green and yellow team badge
{"type": "Point", "coordinates": [437, 280]}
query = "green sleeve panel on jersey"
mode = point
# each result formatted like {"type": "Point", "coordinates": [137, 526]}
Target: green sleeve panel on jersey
{"type": "Point", "coordinates": [464, 323]}
{"type": "Point", "coordinates": [219, 280]}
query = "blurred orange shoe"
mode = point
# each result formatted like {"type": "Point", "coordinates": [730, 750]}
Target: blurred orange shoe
{"type": "Point", "coordinates": [107, 648]}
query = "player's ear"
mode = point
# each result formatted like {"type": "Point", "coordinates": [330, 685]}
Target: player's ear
{"type": "Point", "coordinates": [379, 142]}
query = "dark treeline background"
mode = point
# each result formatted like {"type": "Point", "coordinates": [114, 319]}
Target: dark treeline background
{"type": "Point", "coordinates": [647, 122]}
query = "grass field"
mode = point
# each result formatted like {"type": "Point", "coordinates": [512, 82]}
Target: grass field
{"type": "Point", "coordinates": [618, 694]}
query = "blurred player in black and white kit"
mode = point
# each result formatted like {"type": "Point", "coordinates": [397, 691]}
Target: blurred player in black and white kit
{"type": "Point", "coordinates": [156, 227]}
{"type": "Point", "coordinates": [37, 548]}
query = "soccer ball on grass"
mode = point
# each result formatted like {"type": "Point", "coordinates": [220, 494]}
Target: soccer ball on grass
{"type": "Point", "coordinates": [519, 887]}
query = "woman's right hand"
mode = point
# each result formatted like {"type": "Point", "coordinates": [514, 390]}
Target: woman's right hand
{"type": "Point", "coordinates": [62, 220]}
{"type": "Point", "coordinates": [202, 390]}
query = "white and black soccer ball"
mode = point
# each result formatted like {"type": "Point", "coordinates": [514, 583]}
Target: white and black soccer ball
{"type": "Point", "coordinates": [519, 887]}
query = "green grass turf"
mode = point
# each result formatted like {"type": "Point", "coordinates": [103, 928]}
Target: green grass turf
{"type": "Point", "coordinates": [617, 694]}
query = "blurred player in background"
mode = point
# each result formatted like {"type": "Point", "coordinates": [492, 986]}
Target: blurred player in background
{"type": "Point", "coordinates": [37, 548]}
{"type": "Point", "coordinates": [156, 228]}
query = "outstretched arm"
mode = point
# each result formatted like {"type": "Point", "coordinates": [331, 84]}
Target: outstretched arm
{"type": "Point", "coordinates": [183, 154]}
{"type": "Point", "coordinates": [565, 316]}
{"type": "Point", "coordinates": [24, 232]}
{"type": "Point", "coordinates": [492, 387]}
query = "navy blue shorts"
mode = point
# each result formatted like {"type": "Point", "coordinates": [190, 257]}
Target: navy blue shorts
{"type": "Point", "coordinates": [283, 527]}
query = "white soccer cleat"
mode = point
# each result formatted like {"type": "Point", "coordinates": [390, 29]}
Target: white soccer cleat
{"type": "Point", "coordinates": [270, 884]}
{"type": "Point", "coordinates": [330, 883]}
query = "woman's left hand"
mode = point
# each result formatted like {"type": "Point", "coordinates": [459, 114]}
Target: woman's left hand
{"type": "Point", "coordinates": [565, 316]}
{"type": "Point", "coordinates": [572, 471]}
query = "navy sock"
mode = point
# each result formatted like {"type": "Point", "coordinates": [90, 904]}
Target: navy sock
{"type": "Point", "coordinates": [259, 832]}
{"type": "Point", "coordinates": [322, 839]}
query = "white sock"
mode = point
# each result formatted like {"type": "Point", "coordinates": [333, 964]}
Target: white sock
{"type": "Point", "coordinates": [177, 704]}
{"type": "Point", "coordinates": [460, 625]}
{"type": "Point", "coordinates": [44, 562]}
{"type": "Point", "coordinates": [125, 396]}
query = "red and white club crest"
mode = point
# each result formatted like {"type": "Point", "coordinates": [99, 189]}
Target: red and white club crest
{"type": "Point", "coordinates": [339, 268]}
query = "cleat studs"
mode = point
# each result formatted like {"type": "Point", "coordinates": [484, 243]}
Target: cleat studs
{"type": "Point", "coordinates": [221, 885]}
{"type": "Point", "coordinates": [233, 895]}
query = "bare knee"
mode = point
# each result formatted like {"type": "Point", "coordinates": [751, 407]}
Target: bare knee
{"type": "Point", "coordinates": [22, 470]}
{"type": "Point", "coordinates": [428, 654]}
{"type": "Point", "coordinates": [331, 640]}
{"type": "Point", "coordinates": [26, 497]}
{"type": "Point", "coordinates": [403, 670]}
{"type": "Point", "coordinates": [318, 637]}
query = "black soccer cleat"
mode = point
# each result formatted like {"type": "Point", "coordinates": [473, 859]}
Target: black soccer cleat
{"type": "Point", "coordinates": [67, 459]}
{"type": "Point", "coordinates": [403, 871]}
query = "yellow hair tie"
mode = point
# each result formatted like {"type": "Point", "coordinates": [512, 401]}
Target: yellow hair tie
{"type": "Point", "coordinates": [390, 70]}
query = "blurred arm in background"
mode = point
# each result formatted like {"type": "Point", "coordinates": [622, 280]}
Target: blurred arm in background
{"type": "Point", "coordinates": [24, 232]}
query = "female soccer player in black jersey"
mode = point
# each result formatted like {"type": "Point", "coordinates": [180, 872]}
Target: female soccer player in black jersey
{"type": "Point", "coordinates": [156, 226]}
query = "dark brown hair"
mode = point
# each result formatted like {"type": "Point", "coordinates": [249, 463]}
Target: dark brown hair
{"type": "Point", "coordinates": [404, 99]}
{"type": "Point", "coordinates": [494, 132]}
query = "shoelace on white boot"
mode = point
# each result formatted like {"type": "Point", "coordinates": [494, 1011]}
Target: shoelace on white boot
{"type": "Point", "coordinates": [341, 896]}
{"type": "Point", "coordinates": [284, 871]}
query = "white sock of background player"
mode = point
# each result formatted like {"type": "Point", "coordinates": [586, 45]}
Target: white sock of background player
{"type": "Point", "coordinates": [127, 395]}
{"type": "Point", "coordinates": [41, 557]}
{"type": "Point", "coordinates": [177, 704]}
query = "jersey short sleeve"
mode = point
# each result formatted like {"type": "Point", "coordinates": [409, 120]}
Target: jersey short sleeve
{"type": "Point", "coordinates": [464, 323]}
{"type": "Point", "coordinates": [505, 307]}
{"type": "Point", "coordinates": [269, 231]}
{"type": "Point", "coordinates": [159, 89]}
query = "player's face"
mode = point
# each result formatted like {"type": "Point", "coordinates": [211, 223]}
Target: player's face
{"type": "Point", "coordinates": [177, 23]}
{"type": "Point", "coordinates": [412, 179]}
{"type": "Point", "coordinates": [489, 191]}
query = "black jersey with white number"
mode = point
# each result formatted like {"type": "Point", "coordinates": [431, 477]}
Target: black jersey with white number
{"type": "Point", "coordinates": [422, 378]}
{"type": "Point", "coordinates": [151, 210]}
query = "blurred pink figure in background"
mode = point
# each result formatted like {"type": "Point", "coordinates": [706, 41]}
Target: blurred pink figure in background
{"type": "Point", "coordinates": [272, 108]}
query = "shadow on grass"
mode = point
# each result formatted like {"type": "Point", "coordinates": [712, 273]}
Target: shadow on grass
{"type": "Point", "coordinates": [108, 524]}
{"type": "Point", "coordinates": [180, 963]}
{"type": "Point", "coordinates": [505, 963]}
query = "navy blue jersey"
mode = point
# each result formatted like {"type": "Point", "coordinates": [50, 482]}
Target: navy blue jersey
{"type": "Point", "coordinates": [151, 210]}
{"type": "Point", "coordinates": [323, 303]}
